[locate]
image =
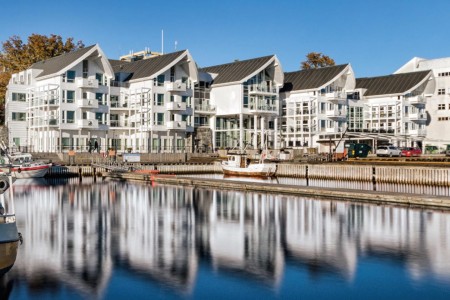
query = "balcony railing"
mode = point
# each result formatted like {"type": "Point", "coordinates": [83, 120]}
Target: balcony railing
{"type": "Point", "coordinates": [176, 106]}
{"type": "Point", "coordinates": [87, 83]}
{"type": "Point", "coordinates": [114, 83]}
{"type": "Point", "coordinates": [205, 108]}
{"type": "Point", "coordinates": [117, 123]}
{"type": "Point", "coordinates": [87, 123]}
{"type": "Point", "coordinates": [336, 113]}
{"type": "Point", "coordinates": [416, 132]}
{"type": "Point", "coordinates": [263, 108]}
{"type": "Point", "coordinates": [261, 89]}
{"type": "Point", "coordinates": [417, 116]}
{"type": "Point", "coordinates": [336, 96]}
{"type": "Point", "coordinates": [87, 103]}
{"type": "Point", "coordinates": [420, 99]}
{"type": "Point", "coordinates": [176, 86]}
{"type": "Point", "coordinates": [176, 125]}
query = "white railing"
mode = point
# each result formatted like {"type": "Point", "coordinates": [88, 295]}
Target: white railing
{"type": "Point", "coordinates": [88, 123]}
{"type": "Point", "coordinates": [87, 83]}
{"type": "Point", "coordinates": [90, 103]}
{"type": "Point", "coordinates": [176, 125]}
{"type": "Point", "coordinates": [176, 106]}
{"type": "Point", "coordinates": [176, 86]}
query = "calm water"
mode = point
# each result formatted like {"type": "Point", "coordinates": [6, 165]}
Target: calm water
{"type": "Point", "coordinates": [116, 240]}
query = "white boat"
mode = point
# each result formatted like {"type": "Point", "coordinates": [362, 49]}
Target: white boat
{"type": "Point", "coordinates": [239, 164]}
{"type": "Point", "coordinates": [22, 165]}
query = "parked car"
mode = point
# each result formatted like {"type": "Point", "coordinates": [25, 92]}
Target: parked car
{"type": "Point", "coordinates": [411, 151]}
{"type": "Point", "coordinates": [388, 151]}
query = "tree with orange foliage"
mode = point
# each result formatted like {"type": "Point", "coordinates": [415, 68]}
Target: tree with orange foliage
{"type": "Point", "coordinates": [315, 60]}
{"type": "Point", "coordinates": [16, 56]}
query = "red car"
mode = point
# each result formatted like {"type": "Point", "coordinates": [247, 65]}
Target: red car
{"type": "Point", "coordinates": [411, 151]}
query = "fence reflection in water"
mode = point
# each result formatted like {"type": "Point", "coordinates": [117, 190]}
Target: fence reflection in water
{"type": "Point", "coordinates": [167, 240]}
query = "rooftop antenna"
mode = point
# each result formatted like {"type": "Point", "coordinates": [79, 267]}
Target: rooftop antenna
{"type": "Point", "coordinates": [162, 41]}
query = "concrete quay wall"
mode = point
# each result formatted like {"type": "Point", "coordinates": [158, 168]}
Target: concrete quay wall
{"type": "Point", "coordinates": [436, 202]}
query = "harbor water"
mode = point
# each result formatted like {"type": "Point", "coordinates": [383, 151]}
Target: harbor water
{"type": "Point", "coordinates": [114, 240]}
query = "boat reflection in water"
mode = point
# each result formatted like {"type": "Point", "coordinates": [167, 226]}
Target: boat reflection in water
{"type": "Point", "coordinates": [116, 240]}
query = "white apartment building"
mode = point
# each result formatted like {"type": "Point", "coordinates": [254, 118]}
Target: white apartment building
{"type": "Point", "coordinates": [315, 106]}
{"type": "Point", "coordinates": [438, 100]}
{"type": "Point", "coordinates": [79, 97]}
{"type": "Point", "coordinates": [391, 109]}
{"type": "Point", "coordinates": [245, 97]}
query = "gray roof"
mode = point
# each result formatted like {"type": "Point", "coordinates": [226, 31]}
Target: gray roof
{"type": "Point", "coordinates": [310, 79]}
{"type": "Point", "coordinates": [55, 64]}
{"type": "Point", "coordinates": [391, 84]}
{"type": "Point", "coordinates": [146, 67]}
{"type": "Point", "coordinates": [236, 71]}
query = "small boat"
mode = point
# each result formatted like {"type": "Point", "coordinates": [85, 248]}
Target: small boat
{"type": "Point", "coordinates": [238, 164]}
{"type": "Point", "coordinates": [22, 165]}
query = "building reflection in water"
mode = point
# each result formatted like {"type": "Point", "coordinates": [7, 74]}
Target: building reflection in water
{"type": "Point", "coordinates": [78, 234]}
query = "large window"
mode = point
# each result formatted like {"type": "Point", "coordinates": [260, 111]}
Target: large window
{"type": "Point", "coordinates": [159, 81]}
{"type": "Point", "coordinates": [441, 106]}
{"type": "Point", "coordinates": [441, 91]}
{"type": "Point", "coordinates": [19, 97]}
{"type": "Point", "coordinates": [101, 98]}
{"type": "Point", "coordinates": [100, 78]}
{"type": "Point", "coordinates": [18, 116]}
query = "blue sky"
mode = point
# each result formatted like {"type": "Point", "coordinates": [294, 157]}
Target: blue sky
{"type": "Point", "coordinates": [375, 36]}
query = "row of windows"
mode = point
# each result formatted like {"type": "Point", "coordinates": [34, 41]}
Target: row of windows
{"type": "Point", "coordinates": [442, 106]}
{"type": "Point", "coordinates": [442, 74]}
{"type": "Point", "coordinates": [443, 118]}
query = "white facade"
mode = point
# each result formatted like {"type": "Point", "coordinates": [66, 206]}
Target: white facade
{"type": "Point", "coordinates": [81, 103]}
{"type": "Point", "coordinates": [438, 100]}
{"type": "Point", "coordinates": [314, 116]}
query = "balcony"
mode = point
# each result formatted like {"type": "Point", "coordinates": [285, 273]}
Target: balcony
{"type": "Point", "coordinates": [176, 106]}
{"type": "Point", "coordinates": [261, 89]}
{"type": "Point", "coordinates": [87, 123]}
{"type": "Point", "coordinates": [91, 83]}
{"type": "Point", "coordinates": [418, 117]}
{"type": "Point", "coordinates": [176, 86]}
{"type": "Point", "coordinates": [336, 114]}
{"type": "Point", "coordinates": [336, 97]}
{"type": "Point", "coordinates": [416, 100]}
{"type": "Point", "coordinates": [263, 109]}
{"type": "Point", "coordinates": [205, 108]}
{"type": "Point", "coordinates": [87, 103]}
{"type": "Point", "coordinates": [52, 122]}
{"type": "Point", "coordinates": [117, 123]}
{"type": "Point", "coordinates": [416, 132]}
{"type": "Point", "coordinates": [176, 125]}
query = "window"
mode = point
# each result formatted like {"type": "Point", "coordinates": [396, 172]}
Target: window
{"type": "Point", "coordinates": [69, 76]}
{"type": "Point", "coordinates": [441, 91]}
{"type": "Point", "coordinates": [155, 144]}
{"type": "Point", "coordinates": [246, 101]}
{"type": "Point", "coordinates": [19, 97]}
{"type": "Point", "coordinates": [159, 99]}
{"type": "Point", "coordinates": [70, 96]}
{"type": "Point", "coordinates": [70, 117]}
{"type": "Point", "coordinates": [159, 81]}
{"type": "Point", "coordinates": [18, 116]}
{"type": "Point", "coordinates": [180, 144]}
{"type": "Point", "coordinates": [99, 77]}
{"type": "Point", "coordinates": [85, 68]}
{"type": "Point", "coordinates": [159, 118]}
{"type": "Point", "coordinates": [441, 106]}
{"type": "Point", "coordinates": [99, 97]}
{"type": "Point", "coordinates": [16, 141]}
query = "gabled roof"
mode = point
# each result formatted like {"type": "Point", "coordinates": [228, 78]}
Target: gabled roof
{"type": "Point", "coordinates": [310, 79]}
{"type": "Point", "coordinates": [236, 71]}
{"type": "Point", "coordinates": [391, 84]}
{"type": "Point", "coordinates": [55, 64]}
{"type": "Point", "coordinates": [146, 67]}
